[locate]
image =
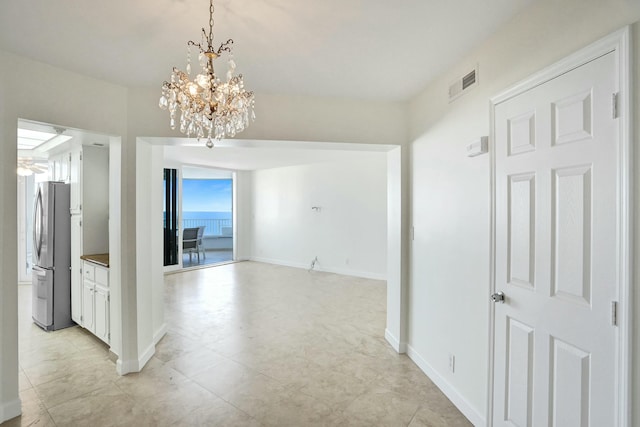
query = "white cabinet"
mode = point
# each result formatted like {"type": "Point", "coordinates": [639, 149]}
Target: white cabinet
{"type": "Point", "coordinates": [88, 301]}
{"type": "Point", "coordinates": [59, 167]}
{"type": "Point", "coordinates": [75, 181]}
{"type": "Point", "coordinates": [89, 207]}
{"type": "Point", "coordinates": [101, 313]}
{"type": "Point", "coordinates": [90, 197]}
{"type": "Point", "coordinates": [76, 268]}
{"type": "Point", "coordinates": [95, 300]}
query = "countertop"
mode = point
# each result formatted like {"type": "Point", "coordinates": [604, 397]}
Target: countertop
{"type": "Point", "coordinates": [100, 259]}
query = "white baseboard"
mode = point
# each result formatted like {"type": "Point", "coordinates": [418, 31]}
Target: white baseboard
{"type": "Point", "coordinates": [342, 271]}
{"type": "Point", "coordinates": [135, 365]}
{"type": "Point", "coordinates": [161, 332]}
{"type": "Point", "coordinates": [476, 418]}
{"type": "Point", "coordinates": [124, 367]}
{"type": "Point", "coordinates": [395, 343]}
{"type": "Point", "coordinates": [146, 356]}
{"type": "Point", "coordinates": [9, 410]}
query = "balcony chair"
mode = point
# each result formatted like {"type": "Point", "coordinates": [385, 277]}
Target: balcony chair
{"type": "Point", "coordinates": [190, 242]}
{"type": "Point", "coordinates": [199, 244]}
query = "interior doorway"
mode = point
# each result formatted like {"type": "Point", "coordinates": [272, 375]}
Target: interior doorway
{"type": "Point", "coordinates": [561, 326]}
{"type": "Point", "coordinates": [206, 216]}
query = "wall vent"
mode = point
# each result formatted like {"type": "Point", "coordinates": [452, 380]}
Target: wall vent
{"type": "Point", "coordinates": [461, 85]}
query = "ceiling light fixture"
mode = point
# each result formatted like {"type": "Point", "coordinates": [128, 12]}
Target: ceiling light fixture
{"type": "Point", "coordinates": [209, 107]}
{"type": "Point", "coordinates": [27, 167]}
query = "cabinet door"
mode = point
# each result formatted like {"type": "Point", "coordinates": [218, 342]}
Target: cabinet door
{"type": "Point", "coordinates": [65, 166]}
{"type": "Point", "coordinates": [54, 168]}
{"type": "Point", "coordinates": [102, 313]}
{"type": "Point", "coordinates": [75, 181]}
{"type": "Point", "coordinates": [88, 299]}
{"type": "Point", "coordinates": [76, 268]}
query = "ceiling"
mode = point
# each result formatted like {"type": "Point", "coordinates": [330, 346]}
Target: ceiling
{"type": "Point", "coordinates": [238, 154]}
{"type": "Point", "coordinates": [371, 49]}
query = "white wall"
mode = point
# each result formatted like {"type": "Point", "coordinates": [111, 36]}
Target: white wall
{"type": "Point", "coordinates": [39, 92]}
{"type": "Point", "coordinates": [290, 118]}
{"type": "Point", "coordinates": [348, 232]}
{"type": "Point", "coordinates": [242, 211]}
{"type": "Point", "coordinates": [149, 252]}
{"type": "Point", "coordinates": [450, 193]}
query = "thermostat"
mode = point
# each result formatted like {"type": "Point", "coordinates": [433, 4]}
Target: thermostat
{"type": "Point", "coordinates": [478, 146]}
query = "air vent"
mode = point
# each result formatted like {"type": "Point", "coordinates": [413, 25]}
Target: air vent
{"type": "Point", "coordinates": [463, 84]}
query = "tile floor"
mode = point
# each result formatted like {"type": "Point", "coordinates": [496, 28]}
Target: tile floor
{"type": "Point", "coordinates": [211, 257]}
{"type": "Point", "coordinates": [249, 344]}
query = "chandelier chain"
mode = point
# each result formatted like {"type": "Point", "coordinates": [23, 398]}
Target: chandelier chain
{"type": "Point", "coordinates": [211, 10]}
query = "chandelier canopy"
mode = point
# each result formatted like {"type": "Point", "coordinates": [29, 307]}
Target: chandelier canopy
{"type": "Point", "coordinates": [209, 107]}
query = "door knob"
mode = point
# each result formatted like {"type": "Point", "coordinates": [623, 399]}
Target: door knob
{"type": "Point", "coordinates": [498, 297]}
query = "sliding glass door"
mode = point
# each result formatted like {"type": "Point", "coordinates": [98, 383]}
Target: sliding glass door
{"type": "Point", "coordinates": [171, 228]}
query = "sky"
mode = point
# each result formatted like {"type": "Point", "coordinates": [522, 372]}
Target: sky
{"type": "Point", "coordinates": [206, 195]}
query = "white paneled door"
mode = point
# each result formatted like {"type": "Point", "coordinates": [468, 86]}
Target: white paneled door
{"type": "Point", "coordinates": [556, 345]}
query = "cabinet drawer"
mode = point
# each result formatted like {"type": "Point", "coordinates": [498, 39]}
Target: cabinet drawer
{"type": "Point", "coordinates": [102, 276]}
{"type": "Point", "coordinates": [89, 271]}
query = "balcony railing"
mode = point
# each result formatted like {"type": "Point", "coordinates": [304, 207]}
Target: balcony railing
{"type": "Point", "coordinates": [213, 226]}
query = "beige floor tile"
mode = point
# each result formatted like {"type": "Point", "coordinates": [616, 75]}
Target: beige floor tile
{"type": "Point", "coordinates": [31, 419]}
{"type": "Point", "coordinates": [218, 414]}
{"type": "Point", "coordinates": [225, 376]}
{"type": "Point", "coordinates": [172, 346]}
{"type": "Point", "coordinates": [154, 378]}
{"type": "Point", "coordinates": [77, 382]}
{"type": "Point", "coordinates": [190, 363]}
{"type": "Point", "coordinates": [334, 388]}
{"type": "Point", "coordinates": [256, 395]}
{"type": "Point", "coordinates": [298, 409]}
{"type": "Point", "coordinates": [53, 369]}
{"type": "Point", "coordinates": [248, 344]}
{"type": "Point", "coordinates": [381, 407]}
{"type": "Point", "coordinates": [107, 406]}
{"type": "Point", "coordinates": [24, 383]}
{"type": "Point", "coordinates": [168, 407]}
{"type": "Point", "coordinates": [34, 413]}
{"type": "Point", "coordinates": [427, 417]}
{"type": "Point", "coordinates": [292, 370]}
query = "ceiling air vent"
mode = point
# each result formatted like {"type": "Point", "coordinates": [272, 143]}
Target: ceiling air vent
{"type": "Point", "coordinates": [463, 84]}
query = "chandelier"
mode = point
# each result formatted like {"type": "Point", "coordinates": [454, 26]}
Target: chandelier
{"type": "Point", "coordinates": [209, 107]}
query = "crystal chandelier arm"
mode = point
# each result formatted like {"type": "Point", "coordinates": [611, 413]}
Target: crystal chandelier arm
{"type": "Point", "coordinates": [192, 43]}
{"type": "Point", "coordinates": [225, 47]}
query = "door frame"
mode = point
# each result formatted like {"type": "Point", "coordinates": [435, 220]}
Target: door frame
{"type": "Point", "coordinates": [618, 43]}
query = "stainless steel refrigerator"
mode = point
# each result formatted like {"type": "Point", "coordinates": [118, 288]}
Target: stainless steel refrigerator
{"type": "Point", "coordinates": [52, 257]}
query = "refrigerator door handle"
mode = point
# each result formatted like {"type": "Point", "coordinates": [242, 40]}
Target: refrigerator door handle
{"type": "Point", "coordinates": [38, 224]}
{"type": "Point", "coordinates": [39, 271]}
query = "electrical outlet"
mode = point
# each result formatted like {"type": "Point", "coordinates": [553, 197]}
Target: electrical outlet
{"type": "Point", "coordinates": [452, 363]}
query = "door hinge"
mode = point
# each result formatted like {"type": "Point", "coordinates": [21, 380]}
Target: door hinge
{"type": "Point", "coordinates": [614, 313]}
{"type": "Point", "coordinates": [413, 233]}
{"type": "Point", "coordinates": [614, 105]}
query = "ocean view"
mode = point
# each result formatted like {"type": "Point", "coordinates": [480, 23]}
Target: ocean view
{"type": "Point", "coordinates": [212, 221]}
{"type": "Point", "coordinates": [206, 215]}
